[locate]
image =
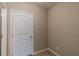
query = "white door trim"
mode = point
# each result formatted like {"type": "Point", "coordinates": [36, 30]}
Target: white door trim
{"type": "Point", "coordinates": [4, 33]}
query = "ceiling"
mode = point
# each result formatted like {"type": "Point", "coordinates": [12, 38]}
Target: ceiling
{"type": "Point", "coordinates": [44, 4]}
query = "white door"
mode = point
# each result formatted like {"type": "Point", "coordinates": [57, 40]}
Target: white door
{"type": "Point", "coordinates": [22, 33]}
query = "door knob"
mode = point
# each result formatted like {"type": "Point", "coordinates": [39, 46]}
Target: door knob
{"type": "Point", "coordinates": [30, 36]}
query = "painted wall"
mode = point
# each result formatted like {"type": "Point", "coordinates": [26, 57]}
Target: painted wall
{"type": "Point", "coordinates": [40, 23]}
{"type": "Point", "coordinates": [63, 28]}
{"type": "Point", "coordinates": [1, 5]}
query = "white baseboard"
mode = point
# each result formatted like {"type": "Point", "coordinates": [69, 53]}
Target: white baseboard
{"type": "Point", "coordinates": [53, 52]}
{"type": "Point", "coordinates": [37, 52]}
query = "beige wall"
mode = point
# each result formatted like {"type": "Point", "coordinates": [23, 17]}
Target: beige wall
{"type": "Point", "coordinates": [1, 5]}
{"type": "Point", "coordinates": [63, 28]}
{"type": "Point", "coordinates": [63, 23]}
{"type": "Point", "coordinates": [40, 22]}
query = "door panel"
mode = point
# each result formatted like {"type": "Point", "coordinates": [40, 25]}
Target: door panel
{"type": "Point", "coordinates": [21, 25]}
{"type": "Point", "coordinates": [21, 46]}
{"type": "Point", "coordinates": [22, 34]}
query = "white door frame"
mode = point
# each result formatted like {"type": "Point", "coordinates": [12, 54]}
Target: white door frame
{"type": "Point", "coordinates": [4, 33]}
{"type": "Point", "coordinates": [11, 42]}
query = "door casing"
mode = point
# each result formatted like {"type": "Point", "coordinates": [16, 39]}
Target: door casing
{"type": "Point", "coordinates": [4, 33]}
{"type": "Point", "coordinates": [10, 31]}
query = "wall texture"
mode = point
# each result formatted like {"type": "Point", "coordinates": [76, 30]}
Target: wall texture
{"type": "Point", "coordinates": [1, 5]}
{"type": "Point", "coordinates": [40, 22]}
{"type": "Point", "coordinates": [63, 28]}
